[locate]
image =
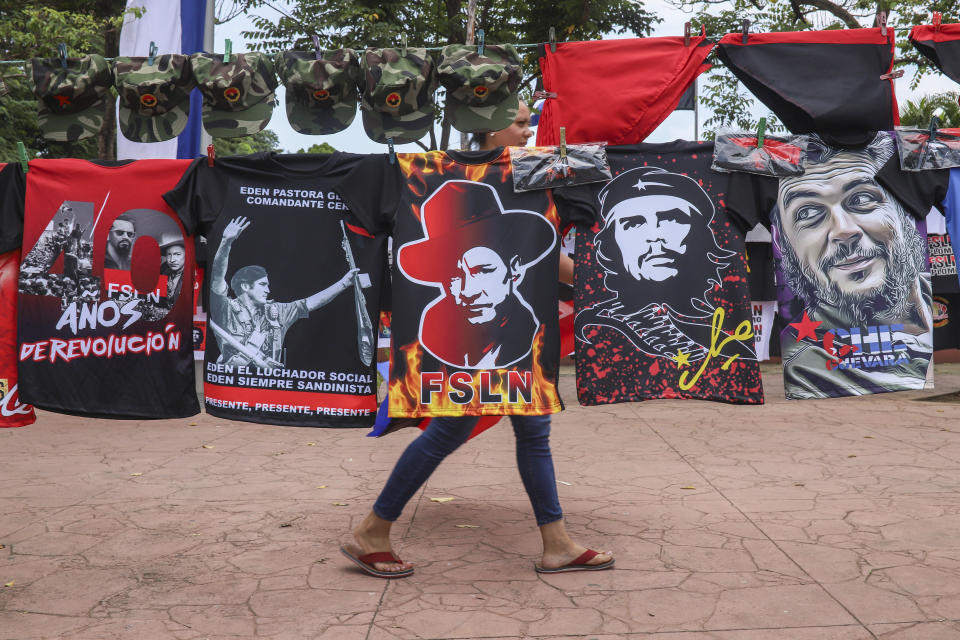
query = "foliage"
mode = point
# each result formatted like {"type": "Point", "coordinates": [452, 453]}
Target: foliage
{"type": "Point", "coordinates": [323, 147]}
{"type": "Point", "coordinates": [434, 23]}
{"type": "Point", "coordinates": [917, 114]}
{"type": "Point", "coordinates": [732, 105]}
{"type": "Point", "coordinates": [33, 29]}
{"type": "Point", "coordinates": [265, 140]}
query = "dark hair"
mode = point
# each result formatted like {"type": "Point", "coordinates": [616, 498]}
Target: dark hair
{"type": "Point", "coordinates": [125, 217]}
{"type": "Point", "coordinates": [246, 276]}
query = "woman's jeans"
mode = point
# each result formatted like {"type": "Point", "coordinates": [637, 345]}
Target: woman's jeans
{"type": "Point", "coordinates": [444, 435]}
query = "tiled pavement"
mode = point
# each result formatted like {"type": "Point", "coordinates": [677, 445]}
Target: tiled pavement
{"type": "Point", "coordinates": [815, 520]}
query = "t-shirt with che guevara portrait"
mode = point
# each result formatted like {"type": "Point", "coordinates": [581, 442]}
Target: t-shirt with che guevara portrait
{"type": "Point", "coordinates": [475, 328]}
{"type": "Point", "coordinates": [290, 333]}
{"type": "Point", "coordinates": [105, 318]}
{"type": "Point", "coordinates": [853, 280]}
{"type": "Point", "coordinates": [661, 295]}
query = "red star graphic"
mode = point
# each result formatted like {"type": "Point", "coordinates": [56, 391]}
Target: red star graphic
{"type": "Point", "coordinates": [63, 100]}
{"type": "Point", "coordinates": [806, 328]}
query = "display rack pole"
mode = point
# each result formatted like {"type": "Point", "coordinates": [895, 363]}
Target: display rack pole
{"type": "Point", "coordinates": [471, 30]}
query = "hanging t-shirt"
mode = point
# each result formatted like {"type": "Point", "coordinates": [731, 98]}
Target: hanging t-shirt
{"type": "Point", "coordinates": [854, 287]}
{"type": "Point", "coordinates": [760, 271]}
{"type": "Point", "coordinates": [946, 321]}
{"type": "Point", "coordinates": [943, 264]}
{"type": "Point", "coordinates": [290, 334]}
{"type": "Point", "coordinates": [764, 312]}
{"type": "Point", "coordinates": [661, 295]}
{"type": "Point", "coordinates": [475, 329]}
{"type": "Point", "coordinates": [106, 280]}
{"type": "Point", "coordinates": [13, 413]}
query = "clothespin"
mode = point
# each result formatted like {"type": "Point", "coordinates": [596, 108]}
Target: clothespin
{"type": "Point", "coordinates": [892, 75]}
{"type": "Point", "coordinates": [403, 45]}
{"type": "Point", "coordinates": [937, 19]}
{"type": "Point", "coordinates": [686, 34]}
{"type": "Point", "coordinates": [316, 47]}
{"type": "Point", "coordinates": [553, 40]}
{"type": "Point", "coordinates": [152, 54]}
{"type": "Point", "coordinates": [22, 153]}
{"type": "Point", "coordinates": [62, 52]}
{"type": "Point", "coordinates": [934, 125]}
{"type": "Point", "coordinates": [746, 30]}
{"type": "Point", "coordinates": [882, 22]}
{"type": "Point", "coordinates": [393, 154]}
{"type": "Point", "coordinates": [761, 132]}
{"type": "Point", "coordinates": [227, 50]}
{"type": "Point", "coordinates": [211, 155]}
{"type": "Point", "coordinates": [480, 39]}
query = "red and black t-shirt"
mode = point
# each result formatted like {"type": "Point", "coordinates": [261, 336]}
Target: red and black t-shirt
{"type": "Point", "coordinates": [13, 413]}
{"type": "Point", "coordinates": [106, 280]}
{"type": "Point", "coordinates": [475, 328]}
{"type": "Point", "coordinates": [290, 339]}
{"type": "Point", "coordinates": [661, 294]}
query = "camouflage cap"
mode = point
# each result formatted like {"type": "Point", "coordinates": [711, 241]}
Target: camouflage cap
{"type": "Point", "coordinates": [237, 95]}
{"type": "Point", "coordinates": [72, 99]}
{"type": "Point", "coordinates": [397, 99]}
{"type": "Point", "coordinates": [481, 89]}
{"type": "Point", "coordinates": [321, 94]}
{"type": "Point", "coordinates": [154, 98]}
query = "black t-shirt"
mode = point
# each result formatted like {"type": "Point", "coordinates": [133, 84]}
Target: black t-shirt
{"type": "Point", "coordinates": [475, 326]}
{"type": "Point", "coordinates": [760, 271]}
{"type": "Point", "coordinates": [661, 296]}
{"type": "Point", "coordinates": [290, 341]}
{"type": "Point", "coordinates": [852, 277]}
{"type": "Point", "coordinates": [13, 187]}
{"type": "Point", "coordinates": [105, 303]}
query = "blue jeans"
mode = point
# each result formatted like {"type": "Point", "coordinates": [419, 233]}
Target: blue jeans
{"type": "Point", "coordinates": [444, 435]}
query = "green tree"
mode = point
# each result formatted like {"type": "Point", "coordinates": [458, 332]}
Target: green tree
{"type": "Point", "coordinates": [918, 114]}
{"type": "Point", "coordinates": [322, 147]}
{"type": "Point", "coordinates": [434, 23]}
{"type": "Point", "coordinates": [732, 105]}
{"type": "Point", "coordinates": [265, 140]}
{"type": "Point", "coordinates": [34, 29]}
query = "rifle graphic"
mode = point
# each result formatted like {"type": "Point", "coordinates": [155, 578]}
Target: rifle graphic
{"type": "Point", "coordinates": [364, 327]}
{"type": "Point", "coordinates": [247, 351]}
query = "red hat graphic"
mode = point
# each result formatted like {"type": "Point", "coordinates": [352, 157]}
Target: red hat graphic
{"type": "Point", "coordinates": [461, 215]}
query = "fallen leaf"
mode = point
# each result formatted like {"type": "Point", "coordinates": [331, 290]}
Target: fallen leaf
{"type": "Point", "coordinates": [340, 504]}
{"type": "Point", "coordinates": [566, 483]}
{"type": "Point", "coordinates": [942, 429]}
{"type": "Point", "coordinates": [799, 484]}
{"type": "Point", "coordinates": [193, 424]}
{"type": "Point", "coordinates": [321, 486]}
{"type": "Point", "coordinates": [136, 474]}
{"type": "Point", "coordinates": [208, 446]}
{"type": "Point", "coordinates": [688, 487]}
{"type": "Point", "coordinates": [285, 525]}
{"type": "Point", "coordinates": [468, 526]}
{"type": "Point", "coordinates": [870, 437]}
{"type": "Point", "coordinates": [311, 444]}
{"type": "Point", "coordinates": [851, 456]}
{"type": "Point", "coordinates": [3, 546]}
{"type": "Point", "coordinates": [444, 499]}
{"type": "Point", "coordinates": [194, 534]}
{"type": "Point", "coordinates": [9, 584]}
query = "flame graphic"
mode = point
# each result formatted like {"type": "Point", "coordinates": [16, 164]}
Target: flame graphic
{"type": "Point", "coordinates": [404, 388]}
{"type": "Point", "coordinates": [419, 168]}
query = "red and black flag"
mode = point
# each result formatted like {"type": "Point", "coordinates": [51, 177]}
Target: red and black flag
{"type": "Point", "coordinates": [940, 43]}
{"type": "Point", "coordinates": [833, 83]}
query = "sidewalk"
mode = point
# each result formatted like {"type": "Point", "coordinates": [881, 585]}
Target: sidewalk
{"type": "Point", "coordinates": [812, 520]}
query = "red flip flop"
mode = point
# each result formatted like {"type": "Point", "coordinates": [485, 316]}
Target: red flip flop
{"type": "Point", "coordinates": [367, 561]}
{"type": "Point", "coordinates": [578, 564]}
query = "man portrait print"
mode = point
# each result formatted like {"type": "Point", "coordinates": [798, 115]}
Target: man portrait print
{"type": "Point", "coordinates": [476, 254]}
{"type": "Point", "coordinates": [661, 259]}
{"type": "Point", "coordinates": [853, 259]}
{"type": "Point", "coordinates": [120, 241]}
{"type": "Point", "coordinates": [250, 327]}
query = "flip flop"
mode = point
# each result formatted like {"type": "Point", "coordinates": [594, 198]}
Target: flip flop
{"type": "Point", "coordinates": [578, 564]}
{"type": "Point", "coordinates": [367, 561]}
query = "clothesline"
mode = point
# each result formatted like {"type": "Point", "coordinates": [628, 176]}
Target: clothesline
{"type": "Point", "coordinates": [525, 45]}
